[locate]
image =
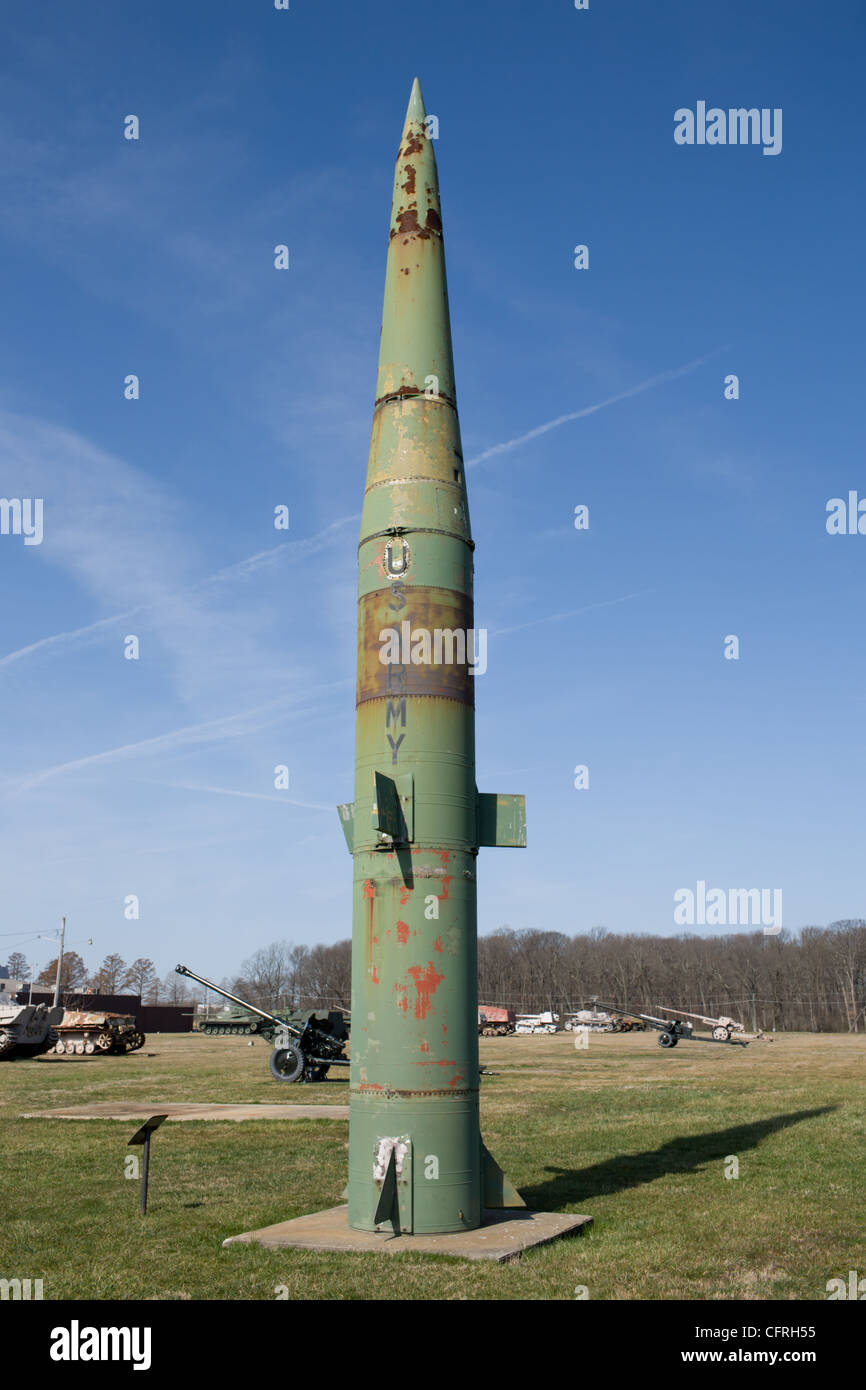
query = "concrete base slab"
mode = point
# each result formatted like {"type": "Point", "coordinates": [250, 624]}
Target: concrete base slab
{"type": "Point", "coordinates": [503, 1236]}
{"type": "Point", "coordinates": [185, 1110]}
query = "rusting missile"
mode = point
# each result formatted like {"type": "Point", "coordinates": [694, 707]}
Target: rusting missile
{"type": "Point", "coordinates": [416, 1159]}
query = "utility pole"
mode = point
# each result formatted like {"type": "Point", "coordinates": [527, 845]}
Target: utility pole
{"type": "Point", "coordinates": [59, 961]}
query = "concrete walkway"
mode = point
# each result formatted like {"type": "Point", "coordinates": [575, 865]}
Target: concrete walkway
{"type": "Point", "coordinates": [186, 1110]}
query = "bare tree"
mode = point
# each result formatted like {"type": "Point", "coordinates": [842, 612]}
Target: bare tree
{"type": "Point", "coordinates": [140, 976]}
{"type": "Point", "coordinates": [73, 973]}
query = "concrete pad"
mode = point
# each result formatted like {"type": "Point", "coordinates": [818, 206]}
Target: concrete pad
{"type": "Point", "coordinates": [503, 1236]}
{"type": "Point", "coordinates": [185, 1110]}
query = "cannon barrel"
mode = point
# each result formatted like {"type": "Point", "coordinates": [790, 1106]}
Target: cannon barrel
{"type": "Point", "coordinates": [244, 1003]}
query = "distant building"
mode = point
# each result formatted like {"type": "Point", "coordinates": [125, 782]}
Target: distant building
{"type": "Point", "coordinates": [7, 984]}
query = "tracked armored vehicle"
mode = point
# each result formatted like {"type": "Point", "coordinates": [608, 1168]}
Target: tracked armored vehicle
{"type": "Point", "coordinates": [27, 1030]}
{"type": "Point", "coordinates": [306, 1042]}
{"type": "Point", "coordinates": [86, 1032]}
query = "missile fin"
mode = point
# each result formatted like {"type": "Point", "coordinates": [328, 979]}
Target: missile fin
{"type": "Point", "coordinates": [394, 807]}
{"type": "Point", "coordinates": [346, 812]}
{"type": "Point", "coordinates": [496, 1189]}
{"type": "Point", "coordinates": [387, 1209]}
{"type": "Point", "coordinates": [501, 820]}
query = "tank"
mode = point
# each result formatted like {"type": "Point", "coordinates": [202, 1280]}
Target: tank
{"type": "Point", "coordinates": [27, 1030]}
{"type": "Point", "coordinates": [233, 1021]}
{"type": "Point", "coordinates": [86, 1032]}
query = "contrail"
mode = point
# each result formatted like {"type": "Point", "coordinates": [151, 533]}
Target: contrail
{"type": "Point", "coordinates": [557, 617]}
{"type": "Point", "coordinates": [250, 796]}
{"type": "Point", "coordinates": [226, 726]}
{"type": "Point", "coordinates": [509, 444]}
{"type": "Point", "coordinates": [296, 550]}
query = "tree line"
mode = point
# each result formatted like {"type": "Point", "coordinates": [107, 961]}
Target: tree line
{"type": "Point", "coordinates": [814, 980]}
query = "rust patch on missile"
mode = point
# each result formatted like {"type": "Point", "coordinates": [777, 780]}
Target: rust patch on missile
{"type": "Point", "coordinates": [414, 144]}
{"type": "Point", "coordinates": [429, 610]}
{"type": "Point", "coordinates": [408, 225]}
{"type": "Point", "coordinates": [409, 185]}
{"type": "Point", "coordinates": [426, 984]}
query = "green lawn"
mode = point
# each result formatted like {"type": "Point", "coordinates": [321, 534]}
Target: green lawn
{"type": "Point", "coordinates": [634, 1136]}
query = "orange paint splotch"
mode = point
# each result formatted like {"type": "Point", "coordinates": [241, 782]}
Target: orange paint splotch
{"type": "Point", "coordinates": [368, 888]}
{"type": "Point", "coordinates": [437, 944]}
{"type": "Point", "coordinates": [404, 896]}
{"type": "Point", "coordinates": [424, 1047]}
{"type": "Point", "coordinates": [454, 1080]}
{"type": "Point", "coordinates": [426, 983]}
{"type": "Point", "coordinates": [375, 976]}
{"type": "Point", "coordinates": [402, 932]}
{"type": "Point", "coordinates": [446, 884]}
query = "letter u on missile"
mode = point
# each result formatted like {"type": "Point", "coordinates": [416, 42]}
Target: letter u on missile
{"type": "Point", "coordinates": [416, 1159]}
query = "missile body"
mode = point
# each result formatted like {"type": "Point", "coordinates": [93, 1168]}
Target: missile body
{"type": "Point", "coordinates": [416, 1160]}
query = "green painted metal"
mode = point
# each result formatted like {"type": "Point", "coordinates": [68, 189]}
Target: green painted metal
{"type": "Point", "coordinates": [416, 1161]}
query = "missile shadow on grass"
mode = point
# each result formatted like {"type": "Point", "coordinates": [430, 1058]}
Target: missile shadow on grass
{"type": "Point", "coordinates": [685, 1154]}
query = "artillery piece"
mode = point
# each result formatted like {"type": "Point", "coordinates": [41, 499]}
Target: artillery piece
{"type": "Point", "coordinates": [306, 1042]}
{"type": "Point", "coordinates": [672, 1030]}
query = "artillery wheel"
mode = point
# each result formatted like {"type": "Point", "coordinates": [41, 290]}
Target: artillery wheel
{"type": "Point", "coordinates": [103, 1042]}
{"type": "Point", "coordinates": [721, 1034]}
{"type": "Point", "coordinates": [136, 1041]}
{"type": "Point", "coordinates": [667, 1040]}
{"type": "Point", "coordinates": [287, 1063]}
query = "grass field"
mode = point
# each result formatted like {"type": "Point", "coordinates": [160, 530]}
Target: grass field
{"type": "Point", "coordinates": [634, 1136]}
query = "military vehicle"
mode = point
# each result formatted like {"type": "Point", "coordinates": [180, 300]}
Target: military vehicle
{"type": "Point", "coordinates": [723, 1027]}
{"type": "Point", "coordinates": [673, 1030]}
{"type": "Point", "coordinates": [84, 1032]}
{"type": "Point", "coordinates": [494, 1022]}
{"type": "Point", "coordinates": [597, 1021]}
{"type": "Point", "coordinates": [27, 1030]}
{"type": "Point", "coordinates": [306, 1042]}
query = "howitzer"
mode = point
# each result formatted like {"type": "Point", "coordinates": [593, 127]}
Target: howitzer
{"type": "Point", "coordinates": [305, 1042]}
{"type": "Point", "coordinates": [671, 1030]}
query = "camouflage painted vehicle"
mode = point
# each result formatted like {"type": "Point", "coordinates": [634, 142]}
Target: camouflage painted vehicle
{"type": "Point", "coordinates": [27, 1030]}
{"type": "Point", "coordinates": [306, 1042]}
{"type": "Point", "coordinates": [85, 1032]}
{"type": "Point", "coordinates": [233, 1021]}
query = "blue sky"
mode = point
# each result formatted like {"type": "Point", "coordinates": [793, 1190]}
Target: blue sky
{"type": "Point", "coordinates": [707, 517]}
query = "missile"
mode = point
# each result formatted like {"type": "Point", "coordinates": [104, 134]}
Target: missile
{"type": "Point", "coordinates": [417, 1163]}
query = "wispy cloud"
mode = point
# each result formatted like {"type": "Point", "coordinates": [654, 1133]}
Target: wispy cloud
{"type": "Point", "coordinates": [659, 380]}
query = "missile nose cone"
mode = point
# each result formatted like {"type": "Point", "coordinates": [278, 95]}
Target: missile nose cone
{"type": "Point", "coordinates": [415, 110]}
{"type": "Point", "coordinates": [415, 347]}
